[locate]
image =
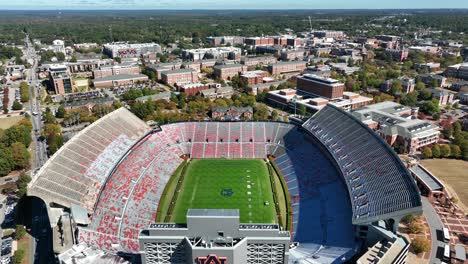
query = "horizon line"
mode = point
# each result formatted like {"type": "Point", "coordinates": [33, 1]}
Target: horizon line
{"type": "Point", "coordinates": [231, 9]}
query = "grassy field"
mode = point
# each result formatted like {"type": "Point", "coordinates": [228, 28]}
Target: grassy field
{"type": "Point", "coordinates": [9, 121]}
{"type": "Point", "coordinates": [454, 173]}
{"type": "Point", "coordinates": [227, 184]}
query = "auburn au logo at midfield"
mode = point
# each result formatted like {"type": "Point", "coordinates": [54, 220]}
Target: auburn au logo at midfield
{"type": "Point", "coordinates": [212, 259]}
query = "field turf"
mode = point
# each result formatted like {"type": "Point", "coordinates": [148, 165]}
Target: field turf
{"type": "Point", "coordinates": [227, 184]}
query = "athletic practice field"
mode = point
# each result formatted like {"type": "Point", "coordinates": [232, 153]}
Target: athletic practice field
{"type": "Point", "coordinates": [227, 184]}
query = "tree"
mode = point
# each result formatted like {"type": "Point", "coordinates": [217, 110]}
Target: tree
{"type": "Point", "coordinates": [455, 151]}
{"type": "Point", "coordinates": [430, 107]}
{"type": "Point", "coordinates": [18, 257]}
{"type": "Point", "coordinates": [274, 115]}
{"type": "Point", "coordinates": [6, 161]}
{"type": "Point", "coordinates": [445, 151]}
{"type": "Point", "coordinates": [396, 87]}
{"type": "Point", "coordinates": [302, 110]}
{"type": "Point", "coordinates": [17, 106]}
{"type": "Point", "coordinates": [410, 218]}
{"type": "Point", "coordinates": [425, 94]}
{"type": "Point", "coordinates": [118, 59]}
{"type": "Point", "coordinates": [73, 58]}
{"type": "Point", "coordinates": [20, 155]}
{"type": "Point", "coordinates": [410, 99]}
{"type": "Point", "coordinates": [60, 112]}
{"type": "Point", "coordinates": [20, 232]}
{"type": "Point", "coordinates": [420, 244]}
{"type": "Point", "coordinates": [24, 92]}
{"type": "Point", "coordinates": [427, 153]}
{"type": "Point", "coordinates": [419, 86]}
{"type": "Point", "coordinates": [436, 151]}
{"type": "Point", "coordinates": [22, 184]}
{"type": "Point", "coordinates": [60, 56]}
{"type": "Point", "coordinates": [415, 227]}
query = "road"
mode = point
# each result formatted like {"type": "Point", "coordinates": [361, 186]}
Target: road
{"type": "Point", "coordinates": [435, 225]}
{"type": "Point", "coordinates": [35, 107]}
{"type": "Point", "coordinates": [41, 244]}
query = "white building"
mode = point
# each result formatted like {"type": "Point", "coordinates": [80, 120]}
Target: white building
{"type": "Point", "coordinates": [58, 46]}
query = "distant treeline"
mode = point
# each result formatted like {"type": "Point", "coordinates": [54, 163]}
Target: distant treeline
{"type": "Point", "coordinates": [169, 26]}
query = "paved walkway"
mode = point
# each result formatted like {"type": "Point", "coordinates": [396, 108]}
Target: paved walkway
{"type": "Point", "coordinates": [436, 226]}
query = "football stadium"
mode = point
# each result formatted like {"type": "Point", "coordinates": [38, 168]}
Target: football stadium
{"type": "Point", "coordinates": [328, 190]}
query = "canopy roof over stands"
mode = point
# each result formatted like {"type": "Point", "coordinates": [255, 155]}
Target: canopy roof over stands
{"type": "Point", "coordinates": [425, 176]}
{"type": "Point", "coordinates": [378, 183]}
{"type": "Point", "coordinates": [78, 170]}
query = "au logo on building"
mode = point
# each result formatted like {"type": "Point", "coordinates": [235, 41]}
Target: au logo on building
{"type": "Point", "coordinates": [212, 259]}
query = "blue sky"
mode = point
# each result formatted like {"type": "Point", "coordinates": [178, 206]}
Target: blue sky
{"type": "Point", "coordinates": [229, 4]}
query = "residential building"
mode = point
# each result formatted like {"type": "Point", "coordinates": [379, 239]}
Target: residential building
{"type": "Point", "coordinates": [459, 71]}
{"type": "Point", "coordinates": [298, 54]}
{"type": "Point", "coordinates": [195, 88]}
{"type": "Point", "coordinates": [444, 97]}
{"type": "Point", "coordinates": [179, 76]}
{"type": "Point", "coordinates": [428, 67]}
{"type": "Point", "coordinates": [287, 67]}
{"type": "Point", "coordinates": [60, 79]}
{"type": "Point", "coordinates": [119, 80]}
{"type": "Point", "coordinates": [218, 92]}
{"type": "Point", "coordinates": [408, 84]}
{"type": "Point", "coordinates": [275, 50]}
{"type": "Point", "coordinates": [258, 61]}
{"type": "Point", "coordinates": [227, 71]}
{"type": "Point", "coordinates": [398, 125]}
{"type": "Point", "coordinates": [433, 80]}
{"type": "Point", "coordinates": [232, 113]}
{"type": "Point", "coordinates": [459, 85]}
{"type": "Point", "coordinates": [88, 65]}
{"type": "Point", "coordinates": [225, 40]}
{"type": "Point", "coordinates": [397, 54]}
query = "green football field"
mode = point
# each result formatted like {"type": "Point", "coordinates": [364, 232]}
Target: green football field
{"type": "Point", "coordinates": [227, 184]}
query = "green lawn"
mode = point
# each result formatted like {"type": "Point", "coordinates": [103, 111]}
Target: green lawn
{"type": "Point", "coordinates": [227, 184]}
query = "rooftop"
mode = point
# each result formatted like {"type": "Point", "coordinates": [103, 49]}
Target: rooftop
{"type": "Point", "coordinates": [120, 77]}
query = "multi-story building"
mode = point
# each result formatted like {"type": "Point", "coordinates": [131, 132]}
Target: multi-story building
{"type": "Point", "coordinates": [83, 66]}
{"type": "Point", "coordinates": [60, 79]}
{"type": "Point", "coordinates": [324, 87]}
{"type": "Point", "coordinates": [218, 92]}
{"type": "Point", "coordinates": [229, 53]}
{"type": "Point", "coordinates": [459, 71]}
{"type": "Point", "coordinates": [298, 54]}
{"type": "Point", "coordinates": [433, 80]}
{"type": "Point", "coordinates": [225, 40]}
{"type": "Point", "coordinates": [162, 67]}
{"type": "Point", "coordinates": [105, 71]}
{"type": "Point", "coordinates": [398, 124]}
{"type": "Point", "coordinates": [259, 41]}
{"type": "Point", "coordinates": [272, 49]}
{"type": "Point", "coordinates": [329, 34]}
{"type": "Point", "coordinates": [428, 67]}
{"type": "Point", "coordinates": [232, 113]}
{"type": "Point", "coordinates": [58, 46]}
{"type": "Point", "coordinates": [179, 76]}
{"type": "Point", "coordinates": [292, 99]}
{"type": "Point", "coordinates": [442, 96]}
{"type": "Point", "coordinates": [287, 67]}
{"type": "Point", "coordinates": [119, 80]}
{"type": "Point", "coordinates": [126, 50]}
{"type": "Point", "coordinates": [407, 84]}
{"type": "Point", "coordinates": [256, 61]}
{"type": "Point", "coordinates": [254, 77]}
{"type": "Point", "coordinates": [214, 236]}
{"type": "Point", "coordinates": [226, 72]}
{"type": "Point", "coordinates": [397, 54]}
{"type": "Point", "coordinates": [195, 88]}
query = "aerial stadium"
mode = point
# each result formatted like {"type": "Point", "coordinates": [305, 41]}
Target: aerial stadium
{"type": "Point", "coordinates": [326, 191]}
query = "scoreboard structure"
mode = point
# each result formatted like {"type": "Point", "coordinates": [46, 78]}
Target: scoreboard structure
{"type": "Point", "coordinates": [214, 236]}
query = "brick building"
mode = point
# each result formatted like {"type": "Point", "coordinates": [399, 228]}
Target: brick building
{"type": "Point", "coordinates": [232, 113]}
{"type": "Point", "coordinates": [397, 54]}
{"type": "Point", "coordinates": [325, 87]}
{"type": "Point", "coordinates": [195, 88]}
{"type": "Point", "coordinates": [60, 79]}
{"type": "Point", "coordinates": [254, 77]}
{"type": "Point", "coordinates": [259, 41]}
{"type": "Point", "coordinates": [105, 71]}
{"type": "Point", "coordinates": [179, 76]}
{"type": "Point", "coordinates": [256, 61]}
{"type": "Point", "coordinates": [226, 72]}
{"type": "Point", "coordinates": [287, 67]}
{"type": "Point", "coordinates": [293, 54]}
{"type": "Point", "coordinates": [119, 80]}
